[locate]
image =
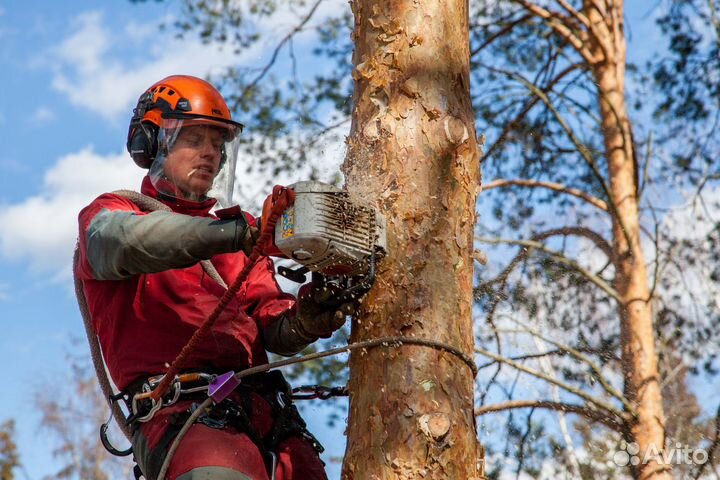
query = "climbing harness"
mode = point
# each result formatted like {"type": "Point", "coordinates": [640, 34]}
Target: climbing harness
{"type": "Point", "coordinates": [235, 411]}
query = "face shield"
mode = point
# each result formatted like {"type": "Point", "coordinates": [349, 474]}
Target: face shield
{"type": "Point", "coordinates": [196, 159]}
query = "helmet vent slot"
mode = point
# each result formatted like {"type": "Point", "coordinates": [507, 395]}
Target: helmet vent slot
{"type": "Point", "coordinates": [171, 92]}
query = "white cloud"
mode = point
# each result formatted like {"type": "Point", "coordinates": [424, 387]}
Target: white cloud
{"type": "Point", "coordinates": [94, 76]}
{"type": "Point", "coordinates": [4, 289]}
{"type": "Point", "coordinates": [41, 116]}
{"type": "Point", "coordinates": [42, 228]}
{"type": "Point", "coordinates": [91, 70]}
{"type": "Point", "coordinates": [142, 32]}
{"type": "Point", "coordinates": [87, 46]}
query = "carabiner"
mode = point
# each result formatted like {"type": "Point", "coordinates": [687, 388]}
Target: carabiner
{"type": "Point", "coordinates": [106, 441]}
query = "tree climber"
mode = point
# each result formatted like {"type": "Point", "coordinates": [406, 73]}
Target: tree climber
{"type": "Point", "coordinates": [147, 293]}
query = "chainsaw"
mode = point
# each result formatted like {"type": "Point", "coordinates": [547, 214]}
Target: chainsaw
{"type": "Point", "coordinates": [338, 239]}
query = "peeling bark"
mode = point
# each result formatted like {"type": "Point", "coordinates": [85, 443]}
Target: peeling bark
{"type": "Point", "coordinates": [639, 355]}
{"type": "Point", "coordinates": [413, 151]}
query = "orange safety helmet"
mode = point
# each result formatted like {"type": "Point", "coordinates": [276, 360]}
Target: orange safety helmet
{"type": "Point", "coordinates": [174, 97]}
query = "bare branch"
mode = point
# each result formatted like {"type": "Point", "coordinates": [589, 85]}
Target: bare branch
{"type": "Point", "coordinates": [530, 104]}
{"type": "Point", "coordinates": [556, 352]}
{"type": "Point", "coordinates": [596, 202]}
{"type": "Point", "coordinates": [503, 31]}
{"type": "Point", "coordinates": [656, 241]}
{"type": "Point", "coordinates": [567, 387]}
{"type": "Point", "coordinates": [586, 412]}
{"type": "Point", "coordinates": [584, 232]}
{"type": "Point", "coordinates": [279, 47]}
{"type": "Point", "coordinates": [579, 16]}
{"type": "Point", "coordinates": [581, 147]}
{"type": "Point", "coordinates": [563, 27]}
{"type": "Point", "coordinates": [593, 366]}
{"type": "Point", "coordinates": [560, 258]}
{"type": "Point", "coordinates": [646, 168]}
{"type": "Point", "coordinates": [521, 452]}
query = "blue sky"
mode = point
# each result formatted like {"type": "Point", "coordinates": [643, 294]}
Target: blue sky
{"type": "Point", "coordinates": [71, 72]}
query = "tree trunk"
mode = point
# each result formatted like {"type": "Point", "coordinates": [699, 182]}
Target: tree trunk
{"type": "Point", "coordinates": [637, 336]}
{"type": "Point", "coordinates": [412, 151]}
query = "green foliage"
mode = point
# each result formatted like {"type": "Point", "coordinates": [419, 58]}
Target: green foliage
{"type": "Point", "coordinates": [688, 84]}
{"type": "Point", "coordinates": [9, 457]}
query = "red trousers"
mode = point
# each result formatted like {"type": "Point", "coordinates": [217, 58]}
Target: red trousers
{"type": "Point", "coordinates": [222, 453]}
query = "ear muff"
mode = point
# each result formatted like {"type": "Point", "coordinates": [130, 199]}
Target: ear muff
{"type": "Point", "coordinates": [142, 143]}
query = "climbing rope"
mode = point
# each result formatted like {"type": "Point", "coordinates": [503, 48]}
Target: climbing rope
{"type": "Point", "coordinates": [362, 345]}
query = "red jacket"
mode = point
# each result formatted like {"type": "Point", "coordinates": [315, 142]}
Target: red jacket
{"type": "Point", "coordinates": [143, 322]}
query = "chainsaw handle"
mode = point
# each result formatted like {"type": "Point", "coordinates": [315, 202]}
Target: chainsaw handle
{"type": "Point", "coordinates": [297, 275]}
{"type": "Point", "coordinates": [352, 294]}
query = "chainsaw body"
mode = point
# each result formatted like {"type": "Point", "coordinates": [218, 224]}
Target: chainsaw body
{"type": "Point", "coordinates": [328, 233]}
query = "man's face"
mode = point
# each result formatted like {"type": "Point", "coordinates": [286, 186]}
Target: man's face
{"type": "Point", "coordinates": [194, 159]}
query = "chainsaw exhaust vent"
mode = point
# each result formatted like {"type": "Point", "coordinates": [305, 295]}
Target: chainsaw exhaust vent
{"type": "Point", "coordinates": [328, 233]}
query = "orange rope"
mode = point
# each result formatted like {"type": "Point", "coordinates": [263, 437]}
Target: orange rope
{"type": "Point", "coordinates": [283, 198]}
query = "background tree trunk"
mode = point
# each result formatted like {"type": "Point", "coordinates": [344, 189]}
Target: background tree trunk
{"type": "Point", "coordinates": [413, 151]}
{"type": "Point", "coordinates": [637, 336]}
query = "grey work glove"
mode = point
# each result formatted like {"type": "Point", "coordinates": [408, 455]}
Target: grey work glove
{"type": "Point", "coordinates": [316, 315]}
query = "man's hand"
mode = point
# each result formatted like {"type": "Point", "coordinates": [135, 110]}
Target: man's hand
{"type": "Point", "coordinates": [318, 313]}
{"type": "Point", "coordinates": [284, 198]}
{"type": "Point", "coordinates": [317, 316]}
